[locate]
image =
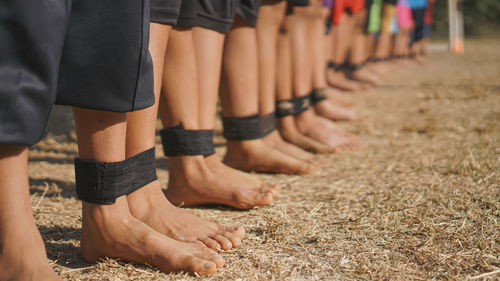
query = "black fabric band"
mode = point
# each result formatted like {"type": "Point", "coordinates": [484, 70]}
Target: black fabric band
{"type": "Point", "coordinates": [242, 128]}
{"type": "Point", "coordinates": [318, 95]}
{"type": "Point", "coordinates": [292, 106]}
{"type": "Point", "coordinates": [354, 67]}
{"type": "Point", "coordinates": [103, 182]}
{"type": "Point", "coordinates": [268, 123]}
{"type": "Point", "coordinates": [178, 141]}
{"type": "Point", "coordinates": [335, 66]}
{"type": "Point", "coordinates": [379, 59]}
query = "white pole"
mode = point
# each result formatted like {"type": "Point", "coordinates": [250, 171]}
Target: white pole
{"type": "Point", "coordinates": [452, 9]}
{"type": "Point", "coordinates": [456, 27]}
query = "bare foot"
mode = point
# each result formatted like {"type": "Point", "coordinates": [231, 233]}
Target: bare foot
{"type": "Point", "coordinates": [325, 131]}
{"type": "Point", "coordinates": [367, 76]}
{"type": "Point", "coordinates": [22, 253]}
{"type": "Point", "coordinates": [111, 231]}
{"type": "Point", "coordinates": [255, 155]}
{"type": "Point", "coordinates": [338, 97]}
{"type": "Point", "coordinates": [338, 80]}
{"type": "Point", "coordinates": [150, 206]}
{"type": "Point", "coordinates": [334, 112]}
{"type": "Point", "coordinates": [382, 68]}
{"type": "Point", "coordinates": [245, 179]}
{"type": "Point", "coordinates": [275, 141]}
{"type": "Point", "coordinates": [192, 183]}
{"type": "Point", "coordinates": [289, 131]}
{"type": "Point", "coordinates": [421, 59]}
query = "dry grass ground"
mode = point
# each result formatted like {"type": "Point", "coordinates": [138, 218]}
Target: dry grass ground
{"type": "Point", "coordinates": [420, 201]}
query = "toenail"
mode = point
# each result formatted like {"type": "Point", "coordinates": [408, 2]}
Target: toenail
{"type": "Point", "coordinates": [207, 265]}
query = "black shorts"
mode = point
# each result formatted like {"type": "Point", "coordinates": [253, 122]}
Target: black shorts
{"type": "Point", "coordinates": [216, 15]}
{"type": "Point", "coordinates": [174, 12]}
{"type": "Point", "coordinates": [86, 53]}
{"type": "Point", "coordinates": [391, 2]}
{"type": "Point", "coordinates": [299, 2]}
{"type": "Point", "coordinates": [419, 20]}
{"type": "Point", "coordinates": [368, 5]}
{"type": "Point", "coordinates": [219, 15]}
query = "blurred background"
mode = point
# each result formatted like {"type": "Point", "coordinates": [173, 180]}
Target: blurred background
{"type": "Point", "coordinates": [481, 18]}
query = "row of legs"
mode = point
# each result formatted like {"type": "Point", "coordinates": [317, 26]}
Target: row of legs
{"type": "Point", "coordinates": [144, 226]}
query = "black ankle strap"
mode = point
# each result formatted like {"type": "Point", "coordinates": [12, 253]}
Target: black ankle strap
{"type": "Point", "coordinates": [103, 182]}
{"type": "Point", "coordinates": [318, 95]}
{"type": "Point", "coordinates": [178, 141]}
{"type": "Point", "coordinates": [377, 59]}
{"type": "Point", "coordinates": [242, 128]}
{"type": "Point", "coordinates": [292, 106]}
{"type": "Point", "coordinates": [268, 123]}
{"type": "Point", "coordinates": [335, 66]}
{"type": "Point", "coordinates": [354, 67]}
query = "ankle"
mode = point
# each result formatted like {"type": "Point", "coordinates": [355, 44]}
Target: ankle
{"type": "Point", "coordinates": [244, 147]}
{"type": "Point", "coordinates": [213, 160]}
{"type": "Point", "coordinates": [185, 165]}
{"type": "Point", "coordinates": [105, 215]}
{"type": "Point", "coordinates": [272, 139]}
{"type": "Point", "coordinates": [145, 199]}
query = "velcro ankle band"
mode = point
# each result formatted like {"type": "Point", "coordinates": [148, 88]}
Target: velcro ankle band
{"type": "Point", "coordinates": [292, 106]}
{"type": "Point", "coordinates": [318, 95]}
{"type": "Point", "coordinates": [268, 123]}
{"type": "Point", "coordinates": [242, 128]}
{"type": "Point", "coordinates": [178, 141]}
{"type": "Point", "coordinates": [103, 182]}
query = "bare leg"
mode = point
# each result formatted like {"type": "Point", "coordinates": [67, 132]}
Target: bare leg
{"type": "Point", "coordinates": [149, 204]}
{"type": "Point", "coordinates": [403, 47]}
{"type": "Point", "coordinates": [310, 124]}
{"type": "Point", "coordinates": [359, 53]}
{"type": "Point", "coordinates": [287, 126]}
{"type": "Point", "coordinates": [22, 252]}
{"type": "Point", "coordinates": [334, 95]}
{"type": "Point", "coordinates": [192, 181]}
{"type": "Point", "coordinates": [340, 46]}
{"type": "Point", "coordinates": [240, 98]}
{"type": "Point", "coordinates": [208, 48]}
{"type": "Point", "coordinates": [382, 52]}
{"type": "Point", "coordinates": [271, 16]}
{"type": "Point", "coordinates": [327, 108]}
{"type": "Point", "coordinates": [111, 230]}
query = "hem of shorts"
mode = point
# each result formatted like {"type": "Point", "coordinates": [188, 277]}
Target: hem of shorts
{"type": "Point", "coordinates": [248, 15]}
{"type": "Point", "coordinates": [271, 2]}
{"type": "Point", "coordinates": [164, 17]}
{"type": "Point", "coordinates": [132, 108]}
{"type": "Point", "coordinates": [215, 24]}
{"type": "Point", "coordinates": [299, 3]}
{"type": "Point", "coordinates": [23, 143]}
{"type": "Point", "coordinates": [164, 21]}
{"type": "Point", "coordinates": [186, 22]}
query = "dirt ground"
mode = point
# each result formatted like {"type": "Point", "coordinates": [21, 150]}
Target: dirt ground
{"type": "Point", "coordinates": [420, 201]}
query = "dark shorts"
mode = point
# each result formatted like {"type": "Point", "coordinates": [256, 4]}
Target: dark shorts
{"type": "Point", "coordinates": [418, 18]}
{"type": "Point", "coordinates": [299, 2]}
{"type": "Point", "coordinates": [219, 15]}
{"type": "Point", "coordinates": [165, 11]}
{"type": "Point", "coordinates": [85, 53]}
{"type": "Point", "coordinates": [216, 15]}
{"type": "Point", "coordinates": [391, 2]}
{"type": "Point", "coordinates": [174, 12]}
